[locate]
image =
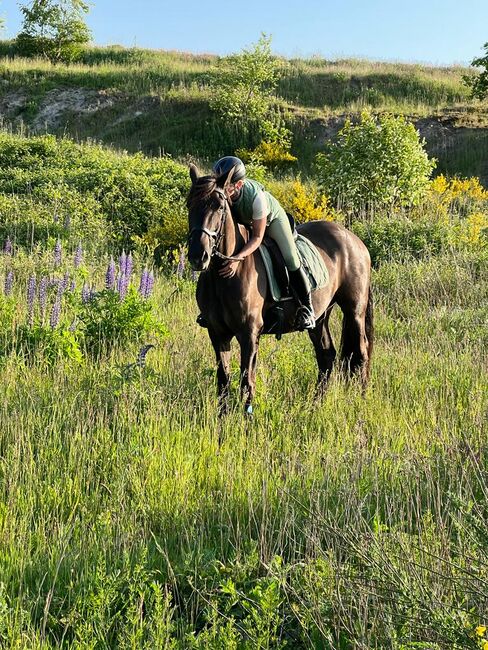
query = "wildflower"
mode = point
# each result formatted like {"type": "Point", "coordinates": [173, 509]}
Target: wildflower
{"type": "Point", "coordinates": [141, 357]}
{"type": "Point", "coordinates": [85, 294]}
{"type": "Point", "coordinates": [72, 286]}
{"type": "Point", "coordinates": [7, 247]}
{"type": "Point", "coordinates": [78, 256]}
{"type": "Point", "coordinates": [57, 253]}
{"type": "Point", "coordinates": [9, 283]}
{"type": "Point", "coordinates": [55, 313]}
{"type": "Point", "coordinates": [180, 269]}
{"type": "Point", "coordinates": [485, 644]}
{"type": "Point", "coordinates": [128, 265]}
{"type": "Point", "coordinates": [31, 297]}
{"type": "Point", "coordinates": [63, 285]}
{"type": "Point", "coordinates": [110, 275]}
{"type": "Point", "coordinates": [143, 282]}
{"type": "Point", "coordinates": [72, 327]}
{"type": "Point", "coordinates": [122, 262]}
{"type": "Point", "coordinates": [122, 284]}
{"type": "Point", "coordinates": [480, 630]}
{"type": "Point", "coordinates": [149, 284]}
{"type": "Point", "coordinates": [43, 284]}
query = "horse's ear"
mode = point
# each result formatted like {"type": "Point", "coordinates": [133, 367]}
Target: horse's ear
{"type": "Point", "coordinates": [224, 180]}
{"type": "Point", "coordinates": [193, 173]}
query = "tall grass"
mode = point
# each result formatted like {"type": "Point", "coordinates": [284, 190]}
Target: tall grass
{"type": "Point", "coordinates": [131, 517]}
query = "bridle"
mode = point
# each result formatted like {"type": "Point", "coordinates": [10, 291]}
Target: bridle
{"type": "Point", "coordinates": [216, 236]}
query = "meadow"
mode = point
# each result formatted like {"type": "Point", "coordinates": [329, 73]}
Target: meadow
{"type": "Point", "coordinates": [132, 517]}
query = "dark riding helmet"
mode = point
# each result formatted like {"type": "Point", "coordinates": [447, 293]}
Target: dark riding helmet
{"type": "Point", "coordinates": [225, 164]}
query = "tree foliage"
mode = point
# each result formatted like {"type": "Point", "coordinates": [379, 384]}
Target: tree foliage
{"type": "Point", "coordinates": [376, 162]}
{"type": "Point", "coordinates": [54, 29]}
{"type": "Point", "coordinates": [479, 83]}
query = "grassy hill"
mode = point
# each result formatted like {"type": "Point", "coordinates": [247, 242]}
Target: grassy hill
{"type": "Point", "coordinates": [158, 101]}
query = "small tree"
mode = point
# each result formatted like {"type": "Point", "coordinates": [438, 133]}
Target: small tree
{"type": "Point", "coordinates": [377, 162]}
{"type": "Point", "coordinates": [479, 83]}
{"type": "Point", "coordinates": [54, 29]}
{"type": "Point", "coordinates": [244, 89]}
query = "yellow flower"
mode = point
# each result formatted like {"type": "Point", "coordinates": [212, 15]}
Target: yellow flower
{"type": "Point", "coordinates": [485, 645]}
{"type": "Point", "coordinates": [480, 630]}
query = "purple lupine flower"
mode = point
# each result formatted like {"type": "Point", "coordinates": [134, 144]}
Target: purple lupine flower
{"type": "Point", "coordinates": [180, 269]}
{"type": "Point", "coordinates": [7, 247]}
{"type": "Point", "coordinates": [122, 284]}
{"type": "Point", "coordinates": [67, 222]}
{"type": "Point", "coordinates": [72, 285]}
{"type": "Point", "coordinates": [73, 325]}
{"type": "Point", "coordinates": [93, 292]}
{"type": "Point", "coordinates": [110, 275]}
{"type": "Point", "coordinates": [57, 253]}
{"type": "Point", "coordinates": [128, 266]}
{"type": "Point", "coordinates": [122, 262]}
{"type": "Point", "coordinates": [55, 313]}
{"type": "Point", "coordinates": [85, 294]}
{"type": "Point", "coordinates": [43, 284]}
{"type": "Point", "coordinates": [31, 297]}
{"type": "Point", "coordinates": [63, 285]}
{"type": "Point", "coordinates": [78, 256]}
{"type": "Point", "coordinates": [143, 282]}
{"type": "Point", "coordinates": [149, 284]}
{"type": "Point", "coordinates": [9, 283]}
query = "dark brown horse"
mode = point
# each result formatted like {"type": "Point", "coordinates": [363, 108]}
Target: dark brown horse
{"type": "Point", "coordinates": [237, 306]}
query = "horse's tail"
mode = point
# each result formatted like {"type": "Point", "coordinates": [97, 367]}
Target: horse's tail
{"type": "Point", "coordinates": [369, 326]}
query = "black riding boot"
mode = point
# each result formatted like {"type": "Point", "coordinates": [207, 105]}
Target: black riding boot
{"type": "Point", "coordinates": [301, 288]}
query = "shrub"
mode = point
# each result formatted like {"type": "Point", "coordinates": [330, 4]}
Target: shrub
{"type": "Point", "coordinates": [302, 200]}
{"type": "Point", "coordinates": [375, 163]}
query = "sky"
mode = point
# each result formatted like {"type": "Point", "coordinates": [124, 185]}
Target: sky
{"type": "Point", "coordinates": [439, 32]}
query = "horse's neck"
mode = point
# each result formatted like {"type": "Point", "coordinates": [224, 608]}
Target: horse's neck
{"type": "Point", "coordinates": [233, 239]}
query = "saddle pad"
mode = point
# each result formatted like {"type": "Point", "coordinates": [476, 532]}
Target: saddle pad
{"type": "Point", "coordinates": [311, 260]}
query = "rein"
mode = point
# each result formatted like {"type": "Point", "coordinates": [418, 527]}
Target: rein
{"type": "Point", "coordinates": [218, 235]}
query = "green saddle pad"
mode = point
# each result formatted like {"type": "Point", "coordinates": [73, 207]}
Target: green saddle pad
{"type": "Point", "coordinates": [311, 260]}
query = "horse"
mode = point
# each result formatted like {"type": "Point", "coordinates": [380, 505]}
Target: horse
{"type": "Point", "coordinates": [237, 306]}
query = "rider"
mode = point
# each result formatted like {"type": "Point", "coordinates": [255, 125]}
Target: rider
{"type": "Point", "coordinates": [253, 206]}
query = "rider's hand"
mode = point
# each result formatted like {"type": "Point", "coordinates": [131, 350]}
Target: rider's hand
{"type": "Point", "coordinates": [229, 269]}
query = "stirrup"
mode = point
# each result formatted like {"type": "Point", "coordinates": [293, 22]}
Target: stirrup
{"type": "Point", "coordinates": [202, 321]}
{"type": "Point", "coordinates": [305, 319]}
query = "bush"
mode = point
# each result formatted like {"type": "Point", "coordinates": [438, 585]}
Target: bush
{"type": "Point", "coordinates": [302, 200]}
{"type": "Point", "coordinates": [125, 196]}
{"type": "Point", "coordinates": [375, 163]}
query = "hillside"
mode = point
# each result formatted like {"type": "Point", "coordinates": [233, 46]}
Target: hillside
{"type": "Point", "coordinates": [158, 101]}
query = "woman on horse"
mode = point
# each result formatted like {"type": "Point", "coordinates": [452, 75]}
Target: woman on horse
{"type": "Point", "coordinates": [256, 208]}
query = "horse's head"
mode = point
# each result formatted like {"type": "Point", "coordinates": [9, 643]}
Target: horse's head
{"type": "Point", "coordinates": [208, 208]}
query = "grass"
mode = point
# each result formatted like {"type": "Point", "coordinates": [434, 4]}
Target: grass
{"type": "Point", "coordinates": [350, 524]}
{"type": "Point", "coordinates": [161, 99]}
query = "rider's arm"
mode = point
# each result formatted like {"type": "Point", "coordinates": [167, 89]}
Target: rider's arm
{"type": "Point", "coordinates": [260, 208]}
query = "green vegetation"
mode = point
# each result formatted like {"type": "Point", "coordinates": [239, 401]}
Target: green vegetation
{"type": "Point", "coordinates": [479, 83]}
{"type": "Point", "coordinates": [54, 29]}
{"type": "Point", "coordinates": [131, 517]}
{"type": "Point", "coordinates": [161, 101]}
{"type": "Point", "coordinates": [375, 163]}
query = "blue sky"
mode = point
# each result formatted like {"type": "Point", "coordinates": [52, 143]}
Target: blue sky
{"type": "Point", "coordinates": [428, 31]}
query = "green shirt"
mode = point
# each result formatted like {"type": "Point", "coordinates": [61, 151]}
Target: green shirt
{"type": "Point", "coordinates": [242, 207]}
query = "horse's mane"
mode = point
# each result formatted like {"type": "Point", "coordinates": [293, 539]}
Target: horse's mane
{"type": "Point", "coordinates": [201, 190]}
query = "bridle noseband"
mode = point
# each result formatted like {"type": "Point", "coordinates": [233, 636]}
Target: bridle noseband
{"type": "Point", "coordinates": [217, 235]}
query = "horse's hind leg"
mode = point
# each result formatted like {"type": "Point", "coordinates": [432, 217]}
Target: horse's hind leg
{"type": "Point", "coordinates": [324, 350]}
{"type": "Point", "coordinates": [355, 344]}
{"type": "Point", "coordinates": [221, 345]}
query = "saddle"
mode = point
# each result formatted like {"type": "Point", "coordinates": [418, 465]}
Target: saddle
{"type": "Point", "coordinates": [278, 279]}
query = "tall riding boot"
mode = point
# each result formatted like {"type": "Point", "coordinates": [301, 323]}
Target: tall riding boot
{"type": "Point", "coordinates": [301, 288]}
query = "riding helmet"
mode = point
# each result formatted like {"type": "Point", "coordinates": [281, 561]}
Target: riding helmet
{"type": "Point", "coordinates": [225, 164]}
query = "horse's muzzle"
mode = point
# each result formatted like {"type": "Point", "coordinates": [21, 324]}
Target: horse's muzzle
{"type": "Point", "coordinates": [201, 262]}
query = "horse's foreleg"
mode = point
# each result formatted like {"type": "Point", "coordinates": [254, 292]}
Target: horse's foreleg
{"type": "Point", "coordinates": [249, 351]}
{"type": "Point", "coordinates": [324, 350]}
{"type": "Point", "coordinates": [221, 345]}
